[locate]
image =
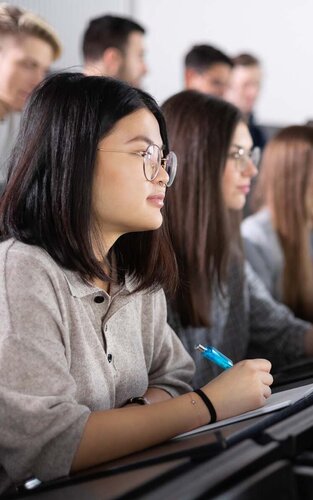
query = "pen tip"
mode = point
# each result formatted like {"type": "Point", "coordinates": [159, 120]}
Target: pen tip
{"type": "Point", "coordinates": [200, 347]}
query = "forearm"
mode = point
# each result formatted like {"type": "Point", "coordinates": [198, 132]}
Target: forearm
{"type": "Point", "coordinates": [115, 433]}
{"type": "Point", "coordinates": [156, 395]}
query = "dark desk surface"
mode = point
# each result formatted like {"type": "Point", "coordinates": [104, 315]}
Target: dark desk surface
{"type": "Point", "coordinates": [116, 478]}
{"type": "Point", "coordinates": [300, 372]}
{"type": "Point", "coordinates": [114, 485]}
{"type": "Point", "coordinates": [172, 462]}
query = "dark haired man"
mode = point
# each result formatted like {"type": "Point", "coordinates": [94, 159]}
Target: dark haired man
{"type": "Point", "coordinates": [243, 91]}
{"type": "Point", "coordinates": [207, 70]}
{"type": "Point", "coordinates": [114, 46]}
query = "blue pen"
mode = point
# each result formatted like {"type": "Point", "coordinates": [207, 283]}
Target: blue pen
{"type": "Point", "coordinates": [214, 355]}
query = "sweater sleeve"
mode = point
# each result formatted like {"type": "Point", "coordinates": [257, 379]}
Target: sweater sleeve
{"type": "Point", "coordinates": [275, 332]}
{"type": "Point", "coordinates": [41, 421]}
{"type": "Point", "coordinates": [170, 367]}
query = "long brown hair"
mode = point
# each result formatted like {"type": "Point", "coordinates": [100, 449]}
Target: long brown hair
{"type": "Point", "coordinates": [200, 129]}
{"type": "Point", "coordinates": [284, 183]}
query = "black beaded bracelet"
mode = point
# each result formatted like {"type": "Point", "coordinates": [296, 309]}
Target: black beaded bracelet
{"type": "Point", "coordinates": [208, 404]}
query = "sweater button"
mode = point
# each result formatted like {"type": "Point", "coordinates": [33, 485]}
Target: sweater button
{"type": "Point", "coordinates": [110, 357]}
{"type": "Point", "coordinates": [99, 299]}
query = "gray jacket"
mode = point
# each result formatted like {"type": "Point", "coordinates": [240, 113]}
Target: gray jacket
{"type": "Point", "coordinates": [246, 323]}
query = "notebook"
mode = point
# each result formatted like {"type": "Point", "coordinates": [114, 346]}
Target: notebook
{"type": "Point", "coordinates": [275, 402]}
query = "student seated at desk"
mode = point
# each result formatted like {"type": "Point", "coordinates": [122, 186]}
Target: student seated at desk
{"type": "Point", "coordinates": [84, 342]}
{"type": "Point", "coordinates": [278, 239]}
{"type": "Point", "coordinates": [221, 301]}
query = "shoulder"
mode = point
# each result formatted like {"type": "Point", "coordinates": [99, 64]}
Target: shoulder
{"type": "Point", "coordinates": [257, 227]}
{"type": "Point", "coordinates": [9, 127]}
{"type": "Point", "coordinates": [14, 119]}
{"type": "Point", "coordinates": [261, 239]}
{"type": "Point", "coordinates": [261, 219]}
{"type": "Point", "coordinates": [13, 250]}
{"type": "Point", "coordinates": [154, 299]}
{"type": "Point", "coordinates": [27, 265]}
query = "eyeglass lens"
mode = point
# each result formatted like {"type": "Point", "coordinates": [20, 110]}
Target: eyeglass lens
{"type": "Point", "coordinates": [243, 157]}
{"type": "Point", "coordinates": [153, 161]}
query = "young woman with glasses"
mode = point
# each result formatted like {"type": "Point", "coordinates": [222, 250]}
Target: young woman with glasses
{"type": "Point", "coordinates": [220, 300]}
{"type": "Point", "coordinates": [90, 371]}
{"type": "Point", "coordinates": [278, 239]}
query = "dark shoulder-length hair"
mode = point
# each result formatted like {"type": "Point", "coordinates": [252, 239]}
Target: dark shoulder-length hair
{"type": "Point", "coordinates": [200, 129]}
{"type": "Point", "coordinates": [47, 201]}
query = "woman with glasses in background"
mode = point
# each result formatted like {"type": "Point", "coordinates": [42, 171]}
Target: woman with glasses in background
{"type": "Point", "coordinates": [90, 370]}
{"type": "Point", "coordinates": [220, 302]}
{"type": "Point", "coordinates": [278, 239]}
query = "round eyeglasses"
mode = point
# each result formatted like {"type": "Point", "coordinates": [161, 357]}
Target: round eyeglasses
{"type": "Point", "coordinates": [153, 161]}
{"type": "Point", "coordinates": [244, 157]}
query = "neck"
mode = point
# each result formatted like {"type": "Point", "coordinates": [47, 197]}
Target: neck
{"type": "Point", "coordinates": [5, 109]}
{"type": "Point", "coordinates": [94, 69]}
{"type": "Point", "coordinates": [104, 285]}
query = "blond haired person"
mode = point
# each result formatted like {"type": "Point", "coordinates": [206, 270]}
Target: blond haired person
{"type": "Point", "coordinates": [28, 46]}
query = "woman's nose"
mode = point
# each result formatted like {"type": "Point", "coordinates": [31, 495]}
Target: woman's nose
{"type": "Point", "coordinates": [251, 169]}
{"type": "Point", "coordinates": [162, 176]}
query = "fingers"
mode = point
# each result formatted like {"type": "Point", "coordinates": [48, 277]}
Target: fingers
{"type": "Point", "coordinates": [267, 391]}
{"type": "Point", "coordinates": [267, 378]}
{"type": "Point", "coordinates": [258, 364]}
{"type": "Point", "coordinates": [263, 364]}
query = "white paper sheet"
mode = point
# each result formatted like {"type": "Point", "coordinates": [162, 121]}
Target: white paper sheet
{"type": "Point", "coordinates": [274, 402]}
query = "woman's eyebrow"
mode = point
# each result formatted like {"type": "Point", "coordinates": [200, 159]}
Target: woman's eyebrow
{"type": "Point", "coordinates": [241, 147]}
{"type": "Point", "coordinates": [144, 138]}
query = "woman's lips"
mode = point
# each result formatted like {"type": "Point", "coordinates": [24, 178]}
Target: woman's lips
{"type": "Point", "coordinates": [244, 189]}
{"type": "Point", "coordinates": [156, 200]}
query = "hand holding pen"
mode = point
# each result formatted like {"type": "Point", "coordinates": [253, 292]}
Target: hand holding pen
{"type": "Point", "coordinates": [243, 388]}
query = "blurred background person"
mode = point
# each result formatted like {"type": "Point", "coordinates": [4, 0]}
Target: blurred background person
{"type": "Point", "coordinates": [114, 46]}
{"type": "Point", "coordinates": [220, 300]}
{"type": "Point", "coordinates": [243, 92]}
{"type": "Point", "coordinates": [278, 239]}
{"type": "Point", "coordinates": [28, 45]}
{"type": "Point", "coordinates": [207, 70]}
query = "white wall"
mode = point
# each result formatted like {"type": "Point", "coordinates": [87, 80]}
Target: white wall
{"type": "Point", "coordinates": [69, 18]}
{"type": "Point", "coordinates": [279, 32]}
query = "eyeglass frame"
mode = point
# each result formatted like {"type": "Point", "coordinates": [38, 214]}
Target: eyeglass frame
{"type": "Point", "coordinates": [242, 154]}
{"type": "Point", "coordinates": [143, 154]}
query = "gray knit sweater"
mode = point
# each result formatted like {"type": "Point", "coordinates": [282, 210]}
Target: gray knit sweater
{"type": "Point", "coordinates": [66, 349]}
